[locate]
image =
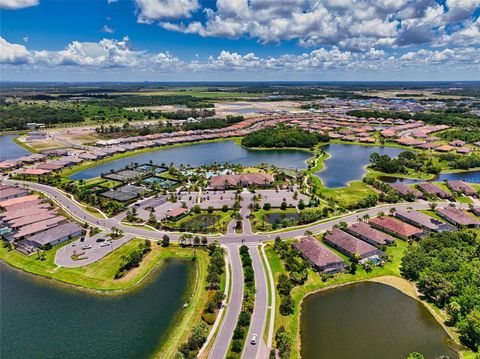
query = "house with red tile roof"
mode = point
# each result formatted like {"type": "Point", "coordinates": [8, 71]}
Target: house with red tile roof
{"type": "Point", "coordinates": [396, 227]}
{"type": "Point", "coordinates": [319, 256]}
{"type": "Point", "coordinates": [350, 245]}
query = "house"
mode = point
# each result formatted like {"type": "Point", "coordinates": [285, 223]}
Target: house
{"type": "Point", "coordinates": [13, 201]}
{"type": "Point", "coordinates": [176, 212]}
{"type": "Point", "coordinates": [350, 245]}
{"type": "Point", "coordinates": [370, 235]}
{"type": "Point", "coordinates": [246, 179]}
{"type": "Point", "coordinates": [405, 190]}
{"type": "Point", "coordinates": [319, 256]}
{"type": "Point", "coordinates": [56, 235]}
{"type": "Point", "coordinates": [457, 143]}
{"type": "Point", "coordinates": [458, 217]}
{"type": "Point", "coordinates": [396, 228]}
{"type": "Point", "coordinates": [422, 220]}
{"type": "Point", "coordinates": [444, 148]}
{"type": "Point", "coordinates": [462, 187]}
{"type": "Point", "coordinates": [20, 222]}
{"type": "Point", "coordinates": [34, 228]}
{"type": "Point", "coordinates": [476, 210]}
{"type": "Point", "coordinates": [434, 190]}
{"type": "Point", "coordinates": [33, 210]}
{"type": "Point", "coordinates": [32, 171]}
{"type": "Point", "coordinates": [12, 192]}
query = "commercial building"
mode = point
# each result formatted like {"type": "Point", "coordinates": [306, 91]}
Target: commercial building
{"type": "Point", "coordinates": [243, 180]}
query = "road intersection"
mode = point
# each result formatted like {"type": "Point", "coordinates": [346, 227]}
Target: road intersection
{"type": "Point", "coordinates": [231, 241]}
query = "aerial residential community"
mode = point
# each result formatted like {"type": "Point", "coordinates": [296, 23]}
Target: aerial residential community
{"type": "Point", "coordinates": [251, 179]}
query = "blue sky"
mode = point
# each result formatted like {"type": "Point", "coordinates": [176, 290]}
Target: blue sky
{"type": "Point", "coordinates": [185, 40]}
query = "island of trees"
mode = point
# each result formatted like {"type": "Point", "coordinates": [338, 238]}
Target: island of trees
{"type": "Point", "coordinates": [283, 136]}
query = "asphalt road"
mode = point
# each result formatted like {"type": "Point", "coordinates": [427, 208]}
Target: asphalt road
{"type": "Point", "coordinates": [232, 241]}
{"type": "Point", "coordinates": [259, 317]}
{"type": "Point", "coordinates": [225, 334]}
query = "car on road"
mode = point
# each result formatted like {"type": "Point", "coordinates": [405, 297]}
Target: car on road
{"type": "Point", "coordinates": [98, 240]}
{"type": "Point", "coordinates": [105, 244]}
{"type": "Point", "coordinates": [87, 246]}
{"type": "Point", "coordinates": [254, 339]}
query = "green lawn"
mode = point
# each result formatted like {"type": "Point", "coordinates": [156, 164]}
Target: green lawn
{"type": "Point", "coordinates": [348, 196]}
{"type": "Point", "coordinates": [314, 283]}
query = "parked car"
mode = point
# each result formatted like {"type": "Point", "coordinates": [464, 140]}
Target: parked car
{"type": "Point", "coordinates": [104, 244]}
{"type": "Point", "coordinates": [100, 240]}
{"type": "Point", "coordinates": [254, 339]}
{"type": "Point", "coordinates": [87, 246]}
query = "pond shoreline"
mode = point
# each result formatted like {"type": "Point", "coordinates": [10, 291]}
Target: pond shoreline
{"type": "Point", "coordinates": [397, 283]}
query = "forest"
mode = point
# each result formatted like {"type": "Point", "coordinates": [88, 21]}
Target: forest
{"type": "Point", "coordinates": [446, 269]}
{"type": "Point", "coordinates": [283, 136]}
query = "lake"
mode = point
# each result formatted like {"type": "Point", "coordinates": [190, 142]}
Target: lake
{"type": "Point", "coordinates": [41, 319]}
{"type": "Point", "coordinates": [346, 162]}
{"type": "Point", "coordinates": [204, 154]}
{"type": "Point", "coordinates": [9, 150]}
{"type": "Point", "coordinates": [369, 321]}
{"type": "Point", "coordinates": [469, 176]}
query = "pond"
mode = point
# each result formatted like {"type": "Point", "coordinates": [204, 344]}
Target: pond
{"type": "Point", "coordinates": [469, 176]}
{"type": "Point", "coordinates": [346, 163]}
{"type": "Point", "coordinates": [369, 321]}
{"type": "Point", "coordinates": [280, 217]}
{"type": "Point", "coordinates": [205, 154]}
{"type": "Point", "coordinates": [40, 319]}
{"type": "Point", "coordinates": [9, 150]}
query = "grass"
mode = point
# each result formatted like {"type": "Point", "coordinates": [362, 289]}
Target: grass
{"type": "Point", "coordinates": [99, 275]}
{"type": "Point", "coordinates": [348, 196]}
{"type": "Point", "coordinates": [314, 283]}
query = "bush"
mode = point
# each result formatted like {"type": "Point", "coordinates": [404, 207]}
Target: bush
{"type": "Point", "coordinates": [236, 346]}
{"type": "Point", "coordinates": [286, 305]}
{"type": "Point", "coordinates": [209, 318]}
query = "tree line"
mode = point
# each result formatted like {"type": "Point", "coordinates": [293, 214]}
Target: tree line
{"type": "Point", "coordinates": [446, 268]}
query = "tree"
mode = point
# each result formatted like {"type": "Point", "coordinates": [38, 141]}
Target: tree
{"type": "Point", "coordinates": [415, 355]}
{"type": "Point", "coordinates": [286, 305]}
{"type": "Point", "coordinates": [283, 206]}
{"type": "Point", "coordinates": [266, 206]}
{"type": "Point", "coordinates": [470, 329]}
{"type": "Point", "coordinates": [165, 240]}
{"type": "Point", "coordinates": [301, 205]}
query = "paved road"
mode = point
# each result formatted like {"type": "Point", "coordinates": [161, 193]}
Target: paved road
{"type": "Point", "coordinates": [222, 342]}
{"type": "Point", "coordinates": [259, 317]}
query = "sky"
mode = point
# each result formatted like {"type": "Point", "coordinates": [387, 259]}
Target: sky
{"type": "Point", "coordinates": [239, 40]}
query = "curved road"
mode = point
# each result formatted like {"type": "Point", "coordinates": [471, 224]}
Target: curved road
{"type": "Point", "coordinates": [232, 241]}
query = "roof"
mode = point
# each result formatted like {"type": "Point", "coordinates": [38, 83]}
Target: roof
{"type": "Point", "coordinates": [363, 229]}
{"type": "Point", "coordinates": [22, 205]}
{"type": "Point", "coordinates": [39, 226]}
{"type": "Point", "coordinates": [461, 186]}
{"type": "Point", "coordinates": [246, 178]}
{"type": "Point", "coordinates": [432, 188]}
{"type": "Point", "coordinates": [18, 200]}
{"type": "Point", "coordinates": [404, 189]}
{"type": "Point", "coordinates": [56, 233]}
{"type": "Point", "coordinates": [423, 220]}
{"type": "Point", "coordinates": [349, 243]}
{"type": "Point", "coordinates": [176, 211]}
{"type": "Point", "coordinates": [12, 191]}
{"type": "Point", "coordinates": [458, 216]}
{"type": "Point", "coordinates": [33, 171]}
{"type": "Point", "coordinates": [396, 226]}
{"type": "Point", "coordinates": [317, 253]}
{"type": "Point", "coordinates": [31, 210]}
{"type": "Point", "coordinates": [26, 220]}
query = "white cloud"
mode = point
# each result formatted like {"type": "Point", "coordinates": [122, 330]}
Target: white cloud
{"type": "Point", "coordinates": [152, 10]}
{"type": "Point", "coordinates": [17, 4]}
{"type": "Point", "coordinates": [107, 29]}
{"type": "Point", "coordinates": [349, 24]}
{"type": "Point", "coordinates": [13, 54]}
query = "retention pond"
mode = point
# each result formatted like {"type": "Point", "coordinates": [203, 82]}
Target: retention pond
{"type": "Point", "coordinates": [369, 321]}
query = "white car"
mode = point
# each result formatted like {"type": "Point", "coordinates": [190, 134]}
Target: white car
{"type": "Point", "coordinates": [104, 244]}
{"type": "Point", "coordinates": [254, 339]}
{"type": "Point", "coordinates": [88, 246]}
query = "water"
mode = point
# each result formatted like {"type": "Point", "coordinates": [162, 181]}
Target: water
{"type": "Point", "coordinates": [470, 176]}
{"type": "Point", "coordinates": [346, 163]}
{"type": "Point", "coordinates": [369, 321]}
{"type": "Point", "coordinates": [9, 150]}
{"type": "Point", "coordinates": [205, 154]}
{"type": "Point", "coordinates": [42, 320]}
{"type": "Point", "coordinates": [274, 217]}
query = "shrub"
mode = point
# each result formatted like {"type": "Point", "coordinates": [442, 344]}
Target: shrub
{"type": "Point", "coordinates": [209, 318]}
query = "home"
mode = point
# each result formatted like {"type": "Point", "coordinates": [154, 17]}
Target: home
{"type": "Point", "coordinates": [405, 190]}
{"type": "Point", "coordinates": [370, 235]}
{"type": "Point", "coordinates": [56, 235]}
{"type": "Point", "coordinates": [8, 192]}
{"type": "Point", "coordinates": [433, 190]}
{"type": "Point", "coordinates": [319, 256]}
{"type": "Point", "coordinates": [396, 228]}
{"type": "Point", "coordinates": [422, 220]}
{"type": "Point", "coordinates": [461, 187]}
{"type": "Point", "coordinates": [458, 217]}
{"type": "Point", "coordinates": [350, 245]}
